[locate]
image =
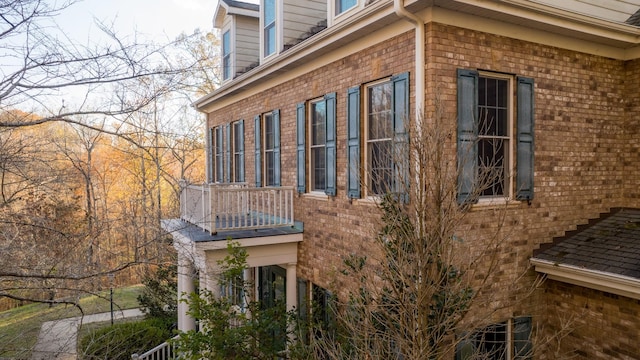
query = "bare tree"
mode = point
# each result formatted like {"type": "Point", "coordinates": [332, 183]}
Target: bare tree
{"type": "Point", "coordinates": [424, 290]}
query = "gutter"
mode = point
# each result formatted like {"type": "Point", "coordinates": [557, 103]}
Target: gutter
{"type": "Point", "coordinates": [599, 280]}
{"type": "Point", "coordinates": [398, 6]}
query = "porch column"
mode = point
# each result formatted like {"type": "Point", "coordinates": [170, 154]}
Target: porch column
{"type": "Point", "coordinates": [186, 286]}
{"type": "Point", "coordinates": [291, 286]}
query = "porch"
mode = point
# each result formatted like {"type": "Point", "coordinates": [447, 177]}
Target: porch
{"type": "Point", "coordinates": [261, 220]}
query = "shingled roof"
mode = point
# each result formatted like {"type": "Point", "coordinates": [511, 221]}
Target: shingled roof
{"type": "Point", "coordinates": [604, 254]}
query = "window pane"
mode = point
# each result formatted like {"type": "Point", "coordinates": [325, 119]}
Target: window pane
{"type": "Point", "coordinates": [381, 167]}
{"type": "Point", "coordinates": [491, 160]}
{"type": "Point", "coordinates": [269, 11]}
{"type": "Point", "coordinates": [318, 123]}
{"type": "Point", "coordinates": [268, 132]}
{"type": "Point", "coordinates": [344, 5]}
{"type": "Point", "coordinates": [270, 40]}
{"type": "Point", "coordinates": [269, 158]}
{"type": "Point", "coordinates": [318, 167]}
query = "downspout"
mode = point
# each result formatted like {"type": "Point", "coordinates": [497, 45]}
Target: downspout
{"type": "Point", "coordinates": [398, 6]}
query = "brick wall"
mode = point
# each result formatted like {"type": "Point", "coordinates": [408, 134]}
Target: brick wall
{"type": "Point", "coordinates": [585, 159]}
{"type": "Point", "coordinates": [602, 325]}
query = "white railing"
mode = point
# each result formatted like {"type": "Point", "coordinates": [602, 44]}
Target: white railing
{"type": "Point", "coordinates": [215, 207]}
{"type": "Point", "coordinates": [164, 351]}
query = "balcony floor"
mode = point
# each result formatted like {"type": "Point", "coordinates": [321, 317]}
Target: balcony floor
{"type": "Point", "coordinates": [197, 234]}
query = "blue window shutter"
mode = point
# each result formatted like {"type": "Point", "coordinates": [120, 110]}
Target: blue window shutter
{"type": "Point", "coordinates": [258, 158]}
{"type": "Point", "coordinates": [210, 159]}
{"type": "Point", "coordinates": [300, 147]}
{"type": "Point", "coordinates": [467, 135]}
{"type": "Point", "coordinates": [330, 153]}
{"type": "Point", "coordinates": [522, 346]}
{"type": "Point", "coordinates": [276, 147]}
{"type": "Point", "coordinates": [227, 153]}
{"type": "Point", "coordinates": [240, 146]}
{"type": "Point", "coordinates": [401, 135]}
{"type": "Point", "coordinates": [353, 142]}
{"type": "Point", "coordinates": [525, 147]}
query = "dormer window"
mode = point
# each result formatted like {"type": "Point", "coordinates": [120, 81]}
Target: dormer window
{"type": "Point", "coordinates": [344, 5]}
{"type": "Point", "coordinates": [226, 55]}
{"type": "Point", "coordinates": [269, 30]}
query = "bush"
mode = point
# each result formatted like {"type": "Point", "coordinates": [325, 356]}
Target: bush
{"type": "Point", "coordinates": [119, 341]}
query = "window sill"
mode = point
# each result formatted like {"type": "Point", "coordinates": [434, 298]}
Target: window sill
{"type": "Point", "coordinates": [495, 203]}
{"type": "Point", "coordinates": [317, 195]}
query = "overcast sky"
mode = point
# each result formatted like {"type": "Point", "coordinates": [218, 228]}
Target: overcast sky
{"type": "Point", "coordinates": [162, 20]}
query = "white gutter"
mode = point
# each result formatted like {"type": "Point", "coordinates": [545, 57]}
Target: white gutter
{"type": "Point", "coordinates": [398, 6]}
{"type": "Point", "coordinates": [593, 279]}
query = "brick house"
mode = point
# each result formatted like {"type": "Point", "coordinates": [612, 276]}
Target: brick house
{"type": "Point", "coordinates": [293, 138]}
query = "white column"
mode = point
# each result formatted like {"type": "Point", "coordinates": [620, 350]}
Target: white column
{"type": "Point", "coordinates": [186, 286]}
{"type": "Point", "coordinates": [291, 286]}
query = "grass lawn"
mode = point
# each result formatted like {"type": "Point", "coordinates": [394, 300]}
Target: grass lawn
{"type": "Point", "coordinates": [19, 327]}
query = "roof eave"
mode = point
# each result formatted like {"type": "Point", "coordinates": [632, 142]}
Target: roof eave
{"type": "Point", "coordinates": [593, 279]}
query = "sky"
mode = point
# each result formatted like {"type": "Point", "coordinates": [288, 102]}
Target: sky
{"type": "Point", "coordinates": [160, 20]}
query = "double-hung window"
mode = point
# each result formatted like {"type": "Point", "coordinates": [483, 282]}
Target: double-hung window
{"type": "Point", "coordinates": [382, 138]}
{"type": "Point", "coordinates": [237, 151]}
{"type": "Point", "coordinates": [226, 147]}
{"type": "Point", "coordinates": [218, 154]}
{"type": "Point", "coordinates": [267, 149]}
{"type": "Point", "coordinates": [316, 148]}
{"type": "Point", "coordinates": [490, 146]}
{"type": "Point", "coordinates": [269, 27]}
{"type": "Point", "coordinates": [226, 55]}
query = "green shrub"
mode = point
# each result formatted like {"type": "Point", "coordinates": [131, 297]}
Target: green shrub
{"type": "Point", "coordinates": [119, 341]}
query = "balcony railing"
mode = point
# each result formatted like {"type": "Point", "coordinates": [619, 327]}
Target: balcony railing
{"type": "Point", "coordinates": [218, 207]}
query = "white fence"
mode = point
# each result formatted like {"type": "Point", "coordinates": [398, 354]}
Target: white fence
{"type": "Point", "coordinates": [216, 207]}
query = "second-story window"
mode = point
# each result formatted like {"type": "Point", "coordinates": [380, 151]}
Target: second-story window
{"type": "Point", "coordinates": [269, 31]}
{"type": "Point", "coordinates": [237, 150]}
{"type": "Point", "coordinates": [226, 55]}
{"type": "Point", "coordinates": [379, 137]}
{"type": "Point", "coordinates": [317, 145]}
{"type": "Point", "coordinates": [218, 152]}
{"type": "Point", "coordinates": [344, 5]}
{"type": "Point", "coordinates": [267, 149]}
{"type": "Point", "coordinates": [316, 148]}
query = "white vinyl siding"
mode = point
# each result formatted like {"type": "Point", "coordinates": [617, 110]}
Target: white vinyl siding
{"type": "Point", "coordinates": [301, 16]}
{"type": "Point", "coordinates": [247, 43]}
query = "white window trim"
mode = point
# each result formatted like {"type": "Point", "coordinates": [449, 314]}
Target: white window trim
{"type": "Point", "coordinates": [334, 18]}
{"type": "Point", "coordinates": [278, 29]}
{"type": "Point", "coordinates": [232, 49]}
{"type": "Point", "coordinates": [509, 194]}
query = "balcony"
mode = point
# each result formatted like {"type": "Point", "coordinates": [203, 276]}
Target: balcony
{"type": "Point", "coordinates": [236, 207]}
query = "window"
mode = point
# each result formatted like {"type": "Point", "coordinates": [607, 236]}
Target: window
{"type": "Point", "coordinates": [344, 5]}
{"type": "Point", "coordinates": [317, 147]}
{"type": "Point", "coordinates": [269, 31]}
{"type": "Point", "coordinates": [385, 154]}
{"type": "Point", "coordinates": [267, 149]}
{"type": "Point", "coordinates": [218, 152]}
{"type": "Point", "coordinates": [488, 139]}
{"type": "Point", "coordinates": [237, 150]}
{"type": "Point", "coordinates": [379, 133]}
{"type": "Point", "coordinates": [316, 309]}
{"type": "Point", "coordinates": [226, 55]}
{"type": "Point", "coordinates": [509, 340]}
